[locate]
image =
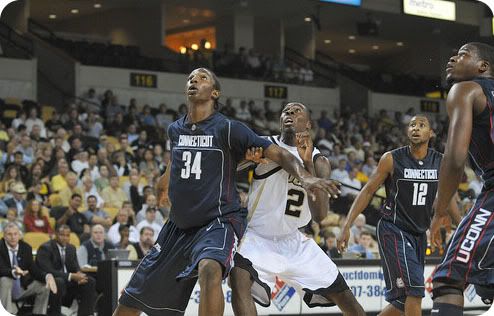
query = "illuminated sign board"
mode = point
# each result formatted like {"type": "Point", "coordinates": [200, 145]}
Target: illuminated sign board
{"type": "Point", "coordinates": [349, 2]}
{"type": "Point", "coordinates": [436, 9]}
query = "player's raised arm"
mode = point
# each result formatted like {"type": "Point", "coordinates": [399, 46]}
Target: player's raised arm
{"type": "Point", "coordinates": [460, 103]}
{"type": "Point", "coordinates": [289, 163]}
{"type": "Point", "coordinates": [383, 170]}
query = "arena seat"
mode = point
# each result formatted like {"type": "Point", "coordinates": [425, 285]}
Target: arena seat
{"type": "Point", "coordinates": [35, 239]}
{"type": "Point", "coordinates": [47, 112]}
{"type": "Point", "coordinates": [74, 240]}
{"type": "Point", "coordinates": [111, 211]}
{"type": "Point", "coordinates": [14, 101]}
{"type": "Point", "coordinates": [55, 200]}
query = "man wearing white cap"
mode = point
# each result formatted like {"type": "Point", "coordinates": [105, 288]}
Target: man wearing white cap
{"type": "Point", "coordinates": [18, 199]}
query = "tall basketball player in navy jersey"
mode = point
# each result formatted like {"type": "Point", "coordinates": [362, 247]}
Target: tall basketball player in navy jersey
{"type": "Point", "coordinates": [206, 220]}
{"type": "Point", "coordinates": [469, 258]}
{"type": "Point", "coordinates": [410, 175]}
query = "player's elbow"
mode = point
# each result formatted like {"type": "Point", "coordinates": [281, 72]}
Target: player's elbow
{"type": "Point", "coordinates": [454, 161]}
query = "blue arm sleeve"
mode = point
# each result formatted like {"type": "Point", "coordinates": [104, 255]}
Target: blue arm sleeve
{"type": "Point", "coordinates": [242, 138]}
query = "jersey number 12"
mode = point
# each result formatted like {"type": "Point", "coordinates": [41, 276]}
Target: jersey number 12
{"type": "Point", "coordinates": [419, 193]}
{"type": "Point", "coordinates": [188, 169]}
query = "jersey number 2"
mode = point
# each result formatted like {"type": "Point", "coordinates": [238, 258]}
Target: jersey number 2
{"type": "Point", "coordinates": [294, 202]}
{"type": "Point", "coordinates": [419, 193]}
{"type": "Point", "coordinates": [188, 169]}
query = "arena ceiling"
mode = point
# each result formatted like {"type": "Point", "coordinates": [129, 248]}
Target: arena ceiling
{"type": "Point", "coordinates": [337, 22]}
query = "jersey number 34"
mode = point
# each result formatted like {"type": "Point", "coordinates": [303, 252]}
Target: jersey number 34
{"type": "Point", "coordinates": [189, 169]}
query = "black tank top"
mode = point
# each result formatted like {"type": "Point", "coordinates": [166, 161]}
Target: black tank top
{"type": "Point", "coordinates": [481, 149]}
{"type": "Point", "coordinates": [411, 190]}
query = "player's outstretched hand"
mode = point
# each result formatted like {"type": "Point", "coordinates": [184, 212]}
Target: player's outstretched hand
{"type": "Point", "coordinates": [435, 231]}
{"type": "Point", "coordinates": [305, 147]}
{"type": "Point", "coordinates": [255, 154]}
{"type": "Point", "coordinates": [342, 242]}
{"type": "Point", "coordinates": [311, 184]}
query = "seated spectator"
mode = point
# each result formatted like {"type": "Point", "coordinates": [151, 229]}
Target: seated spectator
{"type": "Point", "coordinates": [149, 164]}
{"type": "Point", "coordinates": [103, 181]}
{"type": "Point", "coordinates": [340, 174]}
{"type": "Point", "coordinates": [90, 102]}
{"type": "Point", "coordinates": [12, 218]}
{"type": "Point", "coordinates": [34, 220]}
{"type": "Point", "coordinates": [228, 109]}
{"type": "Point", "coordinates": [141, 142]}
{"type": "Point", "coordinates": [58, 181]}
{"type": "Point", "coordinates": [113, 195]}
{"type": "Point", "coordinates": [32, 120]}
{"type": "Point", "coordinates": [95, 215]}
{"type": "Point", "coordinates": [54, 123]}
{"type": "Point", "coordinates": [112, 108]}
{"type": "Point", "coordinates": [369, 166]}
{"type": "Point", "coordinates": [151, 202]}
{"type": "Point", "coordinates": [27, 150]}
{"type": "Point", "coordinates": [19, 120]}
{"type": "Point", "coordinates": [146, 118]}
{"type": "Point", "coordinates": [80, 162]}
{"type": "Point", "coordinates": [95, 249]}
{"type": "Point", "coordinates": [125, 243]}
{"type": "Point", "coordinates": [71, 188]}
{"type": "Point", "coordinates": [94, 126]}
{"type": "Point", "coordinates": [122, 219]}
{"type": "Point", "coordinates": [89, 189]}
{"type": "Point", "coordinates": [146, 241]}
{"type": "Point", "coordinates": [19, 276]}
{"type": "Point", "coordinates": [71, 217]}
{"type": "Point", "coordinates": [21, 168]}
{"type": "Point", "coordinates": [10, 176]}
{"type": "Point", "coordinates": [243, 114]}
{"type": "Point", "coordinates": [18, 199]}
{"type": "Point", "coordinates": [59, 258]}
{"type": "Point", "coordinates": [357, 228]}
{"type": "Point", "coordinates": [330, 246]}
{"type": "Point", "coordinates": [363, 246]}
{"type": "Point", "coordinates": [164, 117]}
{"type": "Point", "coordinates": [150, 221]}
{"type": "Point", "coordinates": [351, 185]}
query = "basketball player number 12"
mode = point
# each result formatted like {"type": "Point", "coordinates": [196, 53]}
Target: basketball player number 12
{"type": "Point", "coordinates": [188, 169]}
{"type": "Point", "coordinates": [419, 193]}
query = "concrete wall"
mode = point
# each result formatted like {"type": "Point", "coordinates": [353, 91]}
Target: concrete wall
{"type": "Point", "coordinates": [18, 78]}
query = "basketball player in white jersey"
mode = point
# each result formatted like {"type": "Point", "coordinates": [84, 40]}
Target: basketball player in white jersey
{"type": "Point", "coordinates": [273, 246]}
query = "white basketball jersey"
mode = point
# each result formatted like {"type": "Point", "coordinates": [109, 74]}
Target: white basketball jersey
{"type": "Point", "coordinates": [277, 201]}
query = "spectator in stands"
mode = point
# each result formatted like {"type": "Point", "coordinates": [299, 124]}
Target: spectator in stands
{"type": "Point", "coordinates": [94, 126]}
{"type": "Point", "coordinates": [363, 246]}
{"type": "Point", "coordinates": [90, 102]}
{"type": "Point", "coordinates": [71, 118]}
{"type": "Point", "coordinates": [19, 120]}
{"type": "Point", "coordinates": [146, 118]}
{"type": "Point", "coordinates": [228, 109]}
{"type": "Point", "coordinates": [95, 249]}
{"type": "Point", "coordinates": [18, 199]}
{"type": "Point", "coordinates": [32, 120]}
{"type": "Point", "coordinates": [118, 125]}
{"type": "Point", "coordinates": [103, 181]}
{"type": "Point", "coordinates": [146, 241]}
{"type": "Point", "coordinates": [93, 166]}
{"type": "Point", "coordinates": [353, 185]}
{"type": "Point", "coordinates": [54, 123]}
{"type": "Point", "coordinates": [279, 68]}
{"type": "Point", "coordinates": [164, 117]}
{"type": "Point", "coordinates": [67, 192]}
{"type": "Point", "coordinates": [95, 215]}
{"type": "Point", "coordinates": [243, 114]}
{"type": "Point", "coordinates": [89, 189]}
{"type": "Point", "coordinates": [36, 137]}
{"type": "Point", "coordinates": [76, 146]}
{"type": "Point", "coordinates": [150, 202]}
{"type": "Point", "coordinates": [10, 176]}
{"type": "Point", "coordinates": [19, 276]}
{"type": "Point", "coordinates": [324, 122]}
{"type": "Point", "coordinates": [357, 228]}
{"type": "Point", "coordinates": [59, 258]}
{"type": "Point", "coordinates": [113, 195]}
{"type": "Point", "coordinates": [330, 245]}
{"type": "Point", "coordinates": [71, 217]}
{"type": "Point", "coordinates": [122, 219]}
{"type": "Point", "coordinates": [141, 142]}
{"type": "Point", "coordinates": [369, 166]}
{"type": "Point", "coordinates": [476, 185]}
{"type": "Point", "coordinates": [127, 150]}
{"type": "Point", "coordinates": [80, 161]}
{"type": "Point", "coordinates": [112, 108]}
{"type": "Point", "coordinates": [11, 217]}
{"type": "Point", "coordinates": [149, 164]}
{"type": "Point", "coordinates": [336, 156]}
{"type": "Point", "coordinates": [19, 162]}
{"type": "Point", "coordinates": [253, 63]}
{"type": "Point", "coordinates": [125, 243]}
{"type": "Point", "coordinates": [58, 181]}
{"type": "Point", "coordinates": [340, 174]}
{"type": "Point", "coordinates": [34, 220]}
{"type": "Point", "coordinates": [150, 221]}
{"type": "Point", "coordinates": [132, 116]}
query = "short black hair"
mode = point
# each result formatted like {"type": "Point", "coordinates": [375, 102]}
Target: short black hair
{"type": "Point", "coordinates": [484, 51]}
{"type": "Point", "coordinates": [75, 195]}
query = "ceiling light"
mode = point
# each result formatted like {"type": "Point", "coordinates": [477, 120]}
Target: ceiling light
{"type": "Point", "coordinates": [352, 51]}
{"type": "Point", "coordinates": [74, 11]}
{"type": "Point", "coordinates": [327, 41]}
{"type": "Point", "coordinates": [307, 19]}
{"type": "Point", "coordinates": [194, 46]}
{"type": "Point", "coordinates": [207, 45]}
{"type": "Point", "coordinates": [52, 16]}
{"type": "Point", "coordinates": [375, 47]}
{"type": "Point", "coordinates": [183, 50]}
{"type": "Point", "coordinates": [186, 21]}
{"type": "Point", "coordinates": [351, 37]}
{"type": "Point", "coordinates": [97, 5]}
{"type": "Point", "coordinates": [399, 44]}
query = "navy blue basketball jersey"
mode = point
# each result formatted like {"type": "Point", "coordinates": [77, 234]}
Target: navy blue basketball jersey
{"type": "Point", "coordinates": [411, 190]}
{"type": "Point", "coordinates": [481, 149]}
{"type": "Point", "coordinates": [204, 158]}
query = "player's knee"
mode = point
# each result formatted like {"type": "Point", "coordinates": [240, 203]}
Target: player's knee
{"type": "Point", "coordinates": [210, 271]}
{"type": "Point", "coordinates": [447, 292]}
{"type": "Point", "coordinates": [123, 310]}
{"type": "Point", "coordinates": [240, 280]}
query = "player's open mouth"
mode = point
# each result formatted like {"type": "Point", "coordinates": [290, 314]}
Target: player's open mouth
{"type": "Point", "coordinates": [288, 122]}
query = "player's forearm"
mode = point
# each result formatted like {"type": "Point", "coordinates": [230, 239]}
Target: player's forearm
{"type": "Point", "coordinates": [449, 179]}
{"type": "Point", "coordinates": [287, 161]}
{"type": "Point", "coordinates": [358, 206]}
{"type": "Point", "coordinates": [309, 166]}
{"type": "Point", "coordinates": [163, 182]}
{"type": "Point", "coordinates": [319, 208]}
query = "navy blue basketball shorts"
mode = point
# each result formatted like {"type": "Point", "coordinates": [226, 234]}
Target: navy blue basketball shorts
{"type": "Point", "coordinates": [403, 261]}
{"type": "Point", "coordinates": [165, 278]}
{"type": "Point", "coordinates": [469, 257]}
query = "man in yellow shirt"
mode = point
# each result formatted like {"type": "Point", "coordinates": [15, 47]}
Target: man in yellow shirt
{"type": "Point", "coordinates": [71, 188]}
{"type": "Point", "coordinates": [58, 181]}
{"type": "Point", "coordinates": [113, 195]}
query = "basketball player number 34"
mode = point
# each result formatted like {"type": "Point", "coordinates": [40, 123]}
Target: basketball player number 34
{"type": "Point", "coordinates": [419, 193]}
{"type": "Point", "coordinates": [195, 168]}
